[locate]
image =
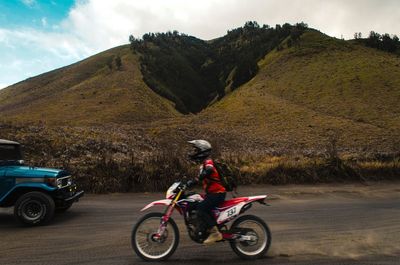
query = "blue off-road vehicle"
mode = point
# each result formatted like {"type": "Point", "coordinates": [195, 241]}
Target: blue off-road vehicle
{"type": "Point", "coordinates": [35, 193]}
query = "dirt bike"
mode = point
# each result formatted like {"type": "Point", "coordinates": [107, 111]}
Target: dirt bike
{"type": "Point", "coordinates": [156, 236]}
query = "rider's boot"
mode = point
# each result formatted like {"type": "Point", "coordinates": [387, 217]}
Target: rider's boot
{"type": "Point", "coordinates": [214, 236]}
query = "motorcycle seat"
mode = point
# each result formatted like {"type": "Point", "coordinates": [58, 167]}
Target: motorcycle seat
{"type": "Point", "coordinates": [232, 202]}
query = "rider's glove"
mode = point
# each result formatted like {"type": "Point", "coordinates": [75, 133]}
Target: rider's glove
{"type": "Point", "coordinates": [191, 183]}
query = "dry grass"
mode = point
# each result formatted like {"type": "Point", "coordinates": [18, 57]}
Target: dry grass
{"type": "Point", "coordinates": [125, 159]}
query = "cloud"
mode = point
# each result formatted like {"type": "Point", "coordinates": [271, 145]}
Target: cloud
{"type": "Point", "coordinates": [29, 3]}
{"type": "Point", "coordinates": [3, 85]}
{"type": "Point", "coordinates": [44, 21]}
{"type": "Point", "coordinates": [29, 52]}
{"type": "Point", "coordinates": [61, 45]}
{"type": "Point", "coordinates": [110, 22]}
{"type": "Point", "coordinates": [95, 25]}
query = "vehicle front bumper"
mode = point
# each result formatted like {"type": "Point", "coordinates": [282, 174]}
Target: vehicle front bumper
{"type": "Point", "coordinates": [68, 195]}
{"type": "Point", "coordinates": [75, 197]}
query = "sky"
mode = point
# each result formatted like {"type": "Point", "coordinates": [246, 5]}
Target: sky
{"type": "Point", "coordinates": [37, 36]}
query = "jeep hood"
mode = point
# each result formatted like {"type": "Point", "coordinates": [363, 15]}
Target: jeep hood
{"type": "Point", "coordinates": [32, 172]}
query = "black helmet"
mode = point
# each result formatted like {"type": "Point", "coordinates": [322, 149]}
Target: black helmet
{"type": "Point", "coordinates": [202, 150]}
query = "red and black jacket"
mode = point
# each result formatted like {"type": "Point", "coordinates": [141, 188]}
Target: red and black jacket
{"type": "Point", "coordinates": [210, 178]}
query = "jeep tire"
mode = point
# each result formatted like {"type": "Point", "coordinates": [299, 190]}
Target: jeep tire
{"type": "Point", "coordinates": [34, 208]}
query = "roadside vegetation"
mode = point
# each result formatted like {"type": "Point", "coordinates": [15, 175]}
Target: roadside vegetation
{"type": "Point", "coordinates": [116, 159]}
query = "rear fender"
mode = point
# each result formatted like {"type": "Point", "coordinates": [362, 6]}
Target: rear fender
{"type": "Point", "coordinates": [164, 202]}
{"type": "Point", "coordinates": [259, 198]}
{"type": "Point", "coordinates": [229, 213]}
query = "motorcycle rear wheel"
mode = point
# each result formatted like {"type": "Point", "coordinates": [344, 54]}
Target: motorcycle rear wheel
{"type": "Point", "coordinates": [259, 230]}
{"type": "Point", "coordinates": [146, 246]}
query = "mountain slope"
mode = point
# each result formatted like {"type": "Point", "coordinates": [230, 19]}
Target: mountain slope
{"type": "Point", "coordinates": [305, 90]}
{"type": "Point", "coordinates": [336, 78]}
{"type": "Point", "coordinates": [88, 92]}
{"type": "Point", "coordinates": [193, 73]}
{"type": "Point", "coordinates": [318, 88]}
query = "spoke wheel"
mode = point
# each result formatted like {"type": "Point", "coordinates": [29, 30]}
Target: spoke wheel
{"type": "Point", "coordinates": [259, 234]}
{"type": "Point", "coordinates": [147, 244]}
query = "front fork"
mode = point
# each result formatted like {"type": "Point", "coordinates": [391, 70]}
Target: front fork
{"type": "Point", "coordinates": [166, 216]}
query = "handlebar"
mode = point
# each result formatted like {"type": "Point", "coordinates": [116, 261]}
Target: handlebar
{"type": "Point", "coordinates": [184, 185]}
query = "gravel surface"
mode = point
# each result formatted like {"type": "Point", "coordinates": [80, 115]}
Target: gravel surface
{"type": "Point", "coordinates": [323, 224]}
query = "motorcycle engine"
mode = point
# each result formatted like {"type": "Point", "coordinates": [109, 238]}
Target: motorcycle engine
{"type": "Point", "coordinates": [196, 231]}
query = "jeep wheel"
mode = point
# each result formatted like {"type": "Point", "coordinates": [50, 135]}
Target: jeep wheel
{"type": "Point", "coordinates": [34, 208]}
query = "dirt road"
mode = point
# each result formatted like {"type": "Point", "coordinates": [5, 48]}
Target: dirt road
{"type": "Point", "coordinates": [335, 224]}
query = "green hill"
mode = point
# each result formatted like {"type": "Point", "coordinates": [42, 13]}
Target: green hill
{"type": "Point", "coordinates": [92, 91]}
{"type": "Point", "coordinates": [318, 88]}
{"type": "Point", "coordinates": [338, 79]}
{"type": "Point", "coordinates": [265, 86]}
{"type": "Point", "coordinates": [194, 73]}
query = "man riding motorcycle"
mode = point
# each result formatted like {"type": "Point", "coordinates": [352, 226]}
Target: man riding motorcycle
{"type": "Point", "coordinates": [212, 185]}
{"type": "Point", "coordinates": [155, 236]}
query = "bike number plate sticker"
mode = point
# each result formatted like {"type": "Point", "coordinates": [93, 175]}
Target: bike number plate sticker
{"type": "Point", "coordinates": [230, 213]}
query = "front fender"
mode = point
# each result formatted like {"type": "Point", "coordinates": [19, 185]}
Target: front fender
{"type": "Point", "coordinates": [27, 186]}
{"type": "Point", "coordinates": [164, 202]}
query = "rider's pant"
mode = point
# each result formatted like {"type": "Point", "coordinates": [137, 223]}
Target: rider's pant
{"type": "Point", "coordinates": [204, 208]}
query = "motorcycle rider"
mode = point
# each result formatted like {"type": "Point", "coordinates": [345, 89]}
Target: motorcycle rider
{"type": "Point", "coordinates": [211, 182]}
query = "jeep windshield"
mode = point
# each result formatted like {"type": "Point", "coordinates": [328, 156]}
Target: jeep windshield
{"type": "Point", "coordinates": [10, 154]}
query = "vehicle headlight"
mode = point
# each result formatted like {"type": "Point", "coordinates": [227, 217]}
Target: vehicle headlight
{"type": "Point", "coordinates": [59, 183]}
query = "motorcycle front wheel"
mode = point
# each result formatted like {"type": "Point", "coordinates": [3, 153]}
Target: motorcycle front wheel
{"type": "Point", "coordinates": [147, 245]}
{"type": "Point", "coordinates": [256, 229]}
